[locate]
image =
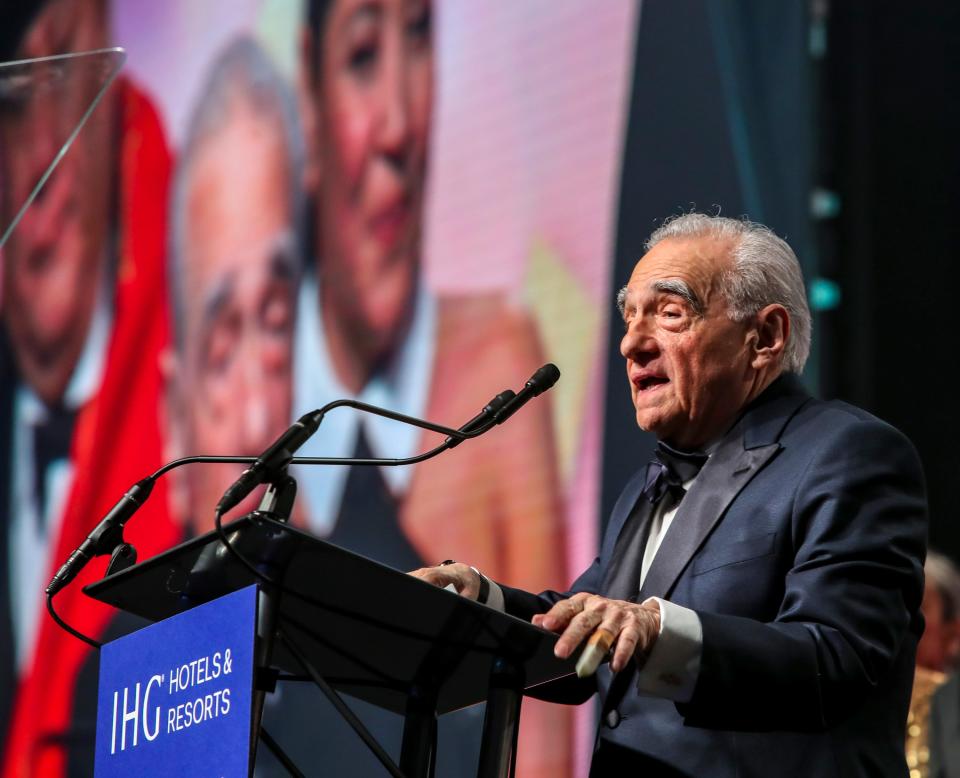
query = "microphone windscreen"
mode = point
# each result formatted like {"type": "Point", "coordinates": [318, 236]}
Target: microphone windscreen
{"type": "Point", "coordinates": [544, 378]}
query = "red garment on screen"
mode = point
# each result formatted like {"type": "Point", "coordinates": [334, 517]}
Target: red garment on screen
{"type": "Point", "coordinates": [117, 441]}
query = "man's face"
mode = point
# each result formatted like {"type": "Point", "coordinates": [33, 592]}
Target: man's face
{"type": "Point", "coordinates": [239, 287]}
{"type": "Point", "coordinates": [55, 257]}
{"type": "Point", "coordinates": [688, 364]}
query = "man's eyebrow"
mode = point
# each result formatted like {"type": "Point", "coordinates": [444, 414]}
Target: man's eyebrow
{"type": "Point", "coordinates": [622, 300]}
{"type": "Point", "coordinates": [216, 300]}
{"type": "Point", "coordinates": [681, 289]}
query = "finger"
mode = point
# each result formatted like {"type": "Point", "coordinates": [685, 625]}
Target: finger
{"type": "Point", "coordinates": [579, 628]}
{"type": "Point", "coordinates": [463, 578]}
{"type": "Point", "coordinates": [432, 575]}
{"type": "Point", "coordinates": [459, 576]}
{"type": "Point", "coordinates": [559, 616]}
{"type": "Point", "coordinates": [602, 638]}
{"type": "Point", "coordinates": [636, 638]}
{"type": "Point", "coordinates": [623, 650]}
{"type": "Point", "coordinates": [467, 580]}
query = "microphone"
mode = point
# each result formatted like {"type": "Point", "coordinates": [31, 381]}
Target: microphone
{"type": "Point", "coordinates": [105, 536]}
{"type": "Point", "coordinates": [486, 416]}
{"type": "Point", "coordinates": [538, 383]}
{"type": "Point", "coordinates": [108, 534]}
{"type": "Point", "coordinates": [271, 461]}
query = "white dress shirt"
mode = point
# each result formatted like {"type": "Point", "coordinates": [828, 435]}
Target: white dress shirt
{"type": "Point", "coordinates": [672, 667]}
{"type": "Point", "coordinates": [403, 385]}
{"type": "Point", "coordinates": [32, 536]}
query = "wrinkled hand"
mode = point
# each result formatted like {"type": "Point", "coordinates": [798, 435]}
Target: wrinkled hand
{"type": "Point", "coordinates": [463, 577]}
{"type": "Point", "coordinates": [635, 627]}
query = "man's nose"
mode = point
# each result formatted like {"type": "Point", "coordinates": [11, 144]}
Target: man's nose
{"type": "Point", "coordinates": [638, 342]}
{"type": "Point", "coordinates": [254, 406]}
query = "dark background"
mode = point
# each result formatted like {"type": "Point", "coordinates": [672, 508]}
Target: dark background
{"type": "Point", "coordinates": [837, 124]}
{"type": "Point", "coordinates": [893, 116]}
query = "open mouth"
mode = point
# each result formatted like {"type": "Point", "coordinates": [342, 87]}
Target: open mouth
{"type": "Point", "coordinates": [650, 382]}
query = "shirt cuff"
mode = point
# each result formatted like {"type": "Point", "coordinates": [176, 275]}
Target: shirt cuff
{"type": "Point", "coordinates": [673, 665]}
{"type": "Point", "coordinates": [495, 597]}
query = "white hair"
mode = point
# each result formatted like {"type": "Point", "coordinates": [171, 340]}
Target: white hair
{"type": "Point", "coordinates": [241, 76]}
{"type": "Point", "coordinates": [765, 270]}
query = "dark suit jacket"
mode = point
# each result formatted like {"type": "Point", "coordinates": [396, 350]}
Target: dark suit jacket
{"type": "Point", "coordinates": [800, 546]}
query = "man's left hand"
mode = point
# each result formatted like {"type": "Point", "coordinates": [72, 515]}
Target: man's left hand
{"type": "Point", "coordinates": [635, 627]}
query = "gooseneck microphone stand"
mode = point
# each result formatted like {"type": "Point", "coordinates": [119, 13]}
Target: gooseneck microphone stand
{"type": "Point", "coordinates": [271, 468]}
{"type": "Point", "coordinates": [107, 537]}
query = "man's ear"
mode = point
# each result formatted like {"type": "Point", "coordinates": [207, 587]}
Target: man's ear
{"type": "Point", "coordinates": [173, 420]}
{"type": "Point", "coordinates": [772, 329]}
{"type": "Point", "coordinates": [307, 86]}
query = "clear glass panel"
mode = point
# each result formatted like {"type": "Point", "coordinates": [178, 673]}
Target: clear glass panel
{"type": "Point", "coordinates": [44, 103]}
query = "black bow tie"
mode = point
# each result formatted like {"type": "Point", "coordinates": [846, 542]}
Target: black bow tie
{"type": "Point", "coordinates": [670, 470]}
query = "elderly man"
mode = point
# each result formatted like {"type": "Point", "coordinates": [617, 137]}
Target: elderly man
{"type": "Point", "coordinates": [82, 322]}
{"type": "Point", "coordinates": [767, 623]}
{"type": "Point", "coordinates": [236, 214]}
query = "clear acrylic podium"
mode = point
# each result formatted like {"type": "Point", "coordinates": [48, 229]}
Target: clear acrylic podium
{"type": "Point", "coordinates": [48, 99]}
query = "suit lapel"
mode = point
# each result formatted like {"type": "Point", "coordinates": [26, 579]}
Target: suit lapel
{"type": "Point", "coordinates": [622, 518]}
{"type": "Point", "coordinates": [729, 469]}
{"type": "Point", "coordinates": [749, 445]}
{"type": "Point", "coordinates": [624, 506]}
{"type": "Point", "coordinates": [623, 572]}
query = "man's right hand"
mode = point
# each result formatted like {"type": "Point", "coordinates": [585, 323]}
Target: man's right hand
{"type": "Point", "coordinates": [463, 578]}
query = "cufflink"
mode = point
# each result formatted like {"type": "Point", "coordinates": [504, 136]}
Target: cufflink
{"type": "Point", "coordinates": [612, 718]}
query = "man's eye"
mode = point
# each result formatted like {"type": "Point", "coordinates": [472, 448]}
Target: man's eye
{"type": "Point", "coordinates": [218, 347]}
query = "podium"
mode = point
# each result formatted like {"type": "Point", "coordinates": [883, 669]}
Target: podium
{"type": "Point", "coordinates": [357, 627]}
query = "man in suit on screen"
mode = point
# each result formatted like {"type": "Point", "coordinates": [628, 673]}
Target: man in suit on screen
{"type": "Point", "coordinates": [761, 579]}
{"type": "Point", "coordinates": [82, 322]}
{"type": "Point", "coordinates": [235, 254]}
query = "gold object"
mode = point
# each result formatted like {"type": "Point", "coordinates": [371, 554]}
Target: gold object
{"type": "Point", "coordinates": [598, 646]}
{"type": "Point", "coordinates": [925, 683]}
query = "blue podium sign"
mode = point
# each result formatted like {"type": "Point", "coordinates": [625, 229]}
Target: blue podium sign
{"type": "Point", "coordinates": [175, 697]}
